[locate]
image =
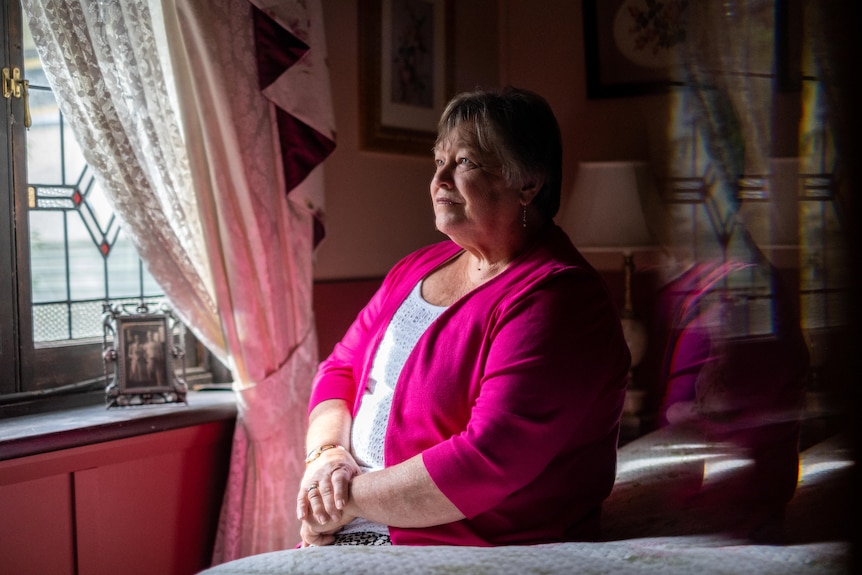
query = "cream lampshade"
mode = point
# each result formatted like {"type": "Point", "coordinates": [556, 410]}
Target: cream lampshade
{"type": "Point", "coordinates": [604, 214]}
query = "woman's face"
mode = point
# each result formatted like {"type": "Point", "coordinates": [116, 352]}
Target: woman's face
{"type": "Point", "coordinates": [472, 201]}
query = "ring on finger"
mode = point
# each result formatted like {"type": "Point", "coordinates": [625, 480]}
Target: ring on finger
{"type": "Point", "coordinates": [311, 487]}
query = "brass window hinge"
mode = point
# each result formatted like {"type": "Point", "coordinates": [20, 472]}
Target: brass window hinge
{"type": "Point", "coordinates": [14, 86]}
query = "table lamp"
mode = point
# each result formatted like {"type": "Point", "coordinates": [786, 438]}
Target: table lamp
{"type": "Point", "coordinates": [604, 214]}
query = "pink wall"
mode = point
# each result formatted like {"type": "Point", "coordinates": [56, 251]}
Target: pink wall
{"type": "Point", "coordinates": [377, 204]}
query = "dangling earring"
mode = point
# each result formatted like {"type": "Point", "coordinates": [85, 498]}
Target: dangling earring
{"type": "Point", "coordinates": [524, 217]}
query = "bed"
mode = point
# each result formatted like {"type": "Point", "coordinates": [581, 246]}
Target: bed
{"type": "Point", "coordinates": [646, 529]}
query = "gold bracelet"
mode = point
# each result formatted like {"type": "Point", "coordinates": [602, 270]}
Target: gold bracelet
{"type": "Point", "coordinates": [315, 453]}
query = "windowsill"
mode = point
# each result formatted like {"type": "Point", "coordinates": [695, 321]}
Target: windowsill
{"type": "Point", "coordinates": [78, 426]}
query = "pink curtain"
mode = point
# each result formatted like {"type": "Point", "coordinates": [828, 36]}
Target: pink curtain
{"type": "Point", "coordinates": [225, 211]}
{"type": "Point", "coordinates": [254, 93]}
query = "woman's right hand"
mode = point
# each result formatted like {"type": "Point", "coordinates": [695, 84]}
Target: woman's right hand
{"type": "Point", "coordinates": [325, 486]}
{"type": "Point", "coordinates": [314, 534]}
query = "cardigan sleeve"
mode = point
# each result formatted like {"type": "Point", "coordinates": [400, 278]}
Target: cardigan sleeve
{"type": "Point", "coordinates": [337, 376]}
{"type": "Point", "coordinates": [552, 389]}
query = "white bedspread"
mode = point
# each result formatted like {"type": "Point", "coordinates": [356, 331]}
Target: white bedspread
{"type": "Point", "coordinates": [646, 535]}
{"type": "Point", "coordinates": [655, 556]}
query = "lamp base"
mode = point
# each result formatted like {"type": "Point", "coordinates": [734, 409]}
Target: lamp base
{"type": "Point", "coordinates": [635, 335]}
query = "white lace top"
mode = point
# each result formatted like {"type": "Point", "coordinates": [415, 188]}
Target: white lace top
{"type": "Point", "coordinates": [369, 427]}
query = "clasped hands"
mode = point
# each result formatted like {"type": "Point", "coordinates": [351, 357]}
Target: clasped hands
{"type": "Point", "coordinates": [323, 496]}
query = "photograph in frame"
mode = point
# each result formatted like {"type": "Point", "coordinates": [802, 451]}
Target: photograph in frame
{"type": "Point", "coordinates": [143, 354]}
{"type": "Point", "coordinates": [406, 57]}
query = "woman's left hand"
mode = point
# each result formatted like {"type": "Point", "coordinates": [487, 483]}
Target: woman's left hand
{"type": "Point", "coordinates": [325, 487]}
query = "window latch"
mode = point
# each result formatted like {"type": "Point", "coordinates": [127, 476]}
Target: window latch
{"type": "Point", "coordinates": [16, 87]}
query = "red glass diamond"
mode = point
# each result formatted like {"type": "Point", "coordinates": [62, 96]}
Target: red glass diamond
{"type": "Point", "coordinates": [104, 248]}
{"type": "Point", "coordinates": [76, 197]}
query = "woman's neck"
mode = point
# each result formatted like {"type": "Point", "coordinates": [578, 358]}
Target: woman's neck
{"type": "Point", "coordinates": [486, 261]}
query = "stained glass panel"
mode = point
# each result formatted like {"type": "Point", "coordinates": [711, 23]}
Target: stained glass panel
{"type": "Point", "coordinates": [79, 257]}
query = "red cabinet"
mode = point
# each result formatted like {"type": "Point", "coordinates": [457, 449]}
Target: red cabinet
{"type": "Point", "coordinates": [147, 504]}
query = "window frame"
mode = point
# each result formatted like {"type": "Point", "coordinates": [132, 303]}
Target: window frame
{"type": "Point", "coordinates": [16, 356]}
{"type": "Point", "coordinates": [40, 370]}
{"type": "Point", "coordinates": [61, 365]}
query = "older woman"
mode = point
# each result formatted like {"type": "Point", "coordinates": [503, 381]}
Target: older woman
{"type": "Point", "coordinates": [476, 399]}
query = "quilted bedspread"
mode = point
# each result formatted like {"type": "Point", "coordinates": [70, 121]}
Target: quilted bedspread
{"type": "Point", "coordinates": [670, 556]}
{"type": "Point", "coordinates": [645, 532]}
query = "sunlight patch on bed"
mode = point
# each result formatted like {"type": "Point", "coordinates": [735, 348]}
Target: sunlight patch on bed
{"type": "Point", "coordinates": [667, 461]}
{"type": "Point", "coordinates": [822, 470]}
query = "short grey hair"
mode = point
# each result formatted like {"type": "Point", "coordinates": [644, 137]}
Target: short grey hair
{"type": "Point", "coordinates": [515, 130]}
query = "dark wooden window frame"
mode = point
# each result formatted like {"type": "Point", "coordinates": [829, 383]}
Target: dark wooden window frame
{"type": "Point", "coordinates": [32, 372]}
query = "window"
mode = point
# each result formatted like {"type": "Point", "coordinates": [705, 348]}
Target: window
{"type": "Point", "coordinates": [14, 255]}
{"type": "Point", "coordinates": [62, 249]}
{"type": "Point", "coordinates": [79, 257]}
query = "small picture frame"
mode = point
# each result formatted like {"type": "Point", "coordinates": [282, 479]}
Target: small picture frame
{"type": "Point", "coordinates": [406, 72]}
{"type": "Point", "coordinates": [143, 352]}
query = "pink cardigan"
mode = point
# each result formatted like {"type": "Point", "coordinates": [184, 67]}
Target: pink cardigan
{"type": "Point", "coordinates": [513, 395]}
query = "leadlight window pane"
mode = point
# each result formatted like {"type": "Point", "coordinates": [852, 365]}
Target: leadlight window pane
{"type": "Point", "coordinates": [86, 267]}
{"type": "Point", "coordinates": [50, 322]}
{"type": "Point", "coordinates": [79, 256]}
{"type": "Point", "coordinates": [86, 319]}
{"type": "Point", "coordinates": [124, 269]}
{"type": "Point", "coordinates": [43, 137]}
{"type": "Point", "coordinates": [47, 264]}
{"type": "Point", "coordinates": [150, 284]}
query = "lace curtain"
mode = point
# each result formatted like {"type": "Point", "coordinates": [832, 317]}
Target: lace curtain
{"type": "Point", "coordinates": [103, 65]}
{"type": "Point", "coordinates": [206, 205]}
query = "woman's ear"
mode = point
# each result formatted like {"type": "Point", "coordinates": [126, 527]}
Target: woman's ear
{"type": "Point", "coordinates": [530, 190]}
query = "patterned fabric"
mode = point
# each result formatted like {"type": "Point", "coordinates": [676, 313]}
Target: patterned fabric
{"type": "Point", "coordinates": [651, 556]}
{"type": "Point", "coordinates": [295, 79]}
{"type": "Point", "coordinates": [362, 538]}
{"type": "Point", "coordinates": [261, 241]}
{"type": "Point", "coordinates": [369, 426]}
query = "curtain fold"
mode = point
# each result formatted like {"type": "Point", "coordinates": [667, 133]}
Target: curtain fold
{"type": "Point", "coordinates": [223, 200]}
{"type": "Point", "coordinates": [253, 157]}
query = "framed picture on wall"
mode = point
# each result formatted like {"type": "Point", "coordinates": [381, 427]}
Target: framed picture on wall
{"type": "Point", "coordinates": [630, 46]}
{"type": "Point", "coordinates": [405, 72]}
